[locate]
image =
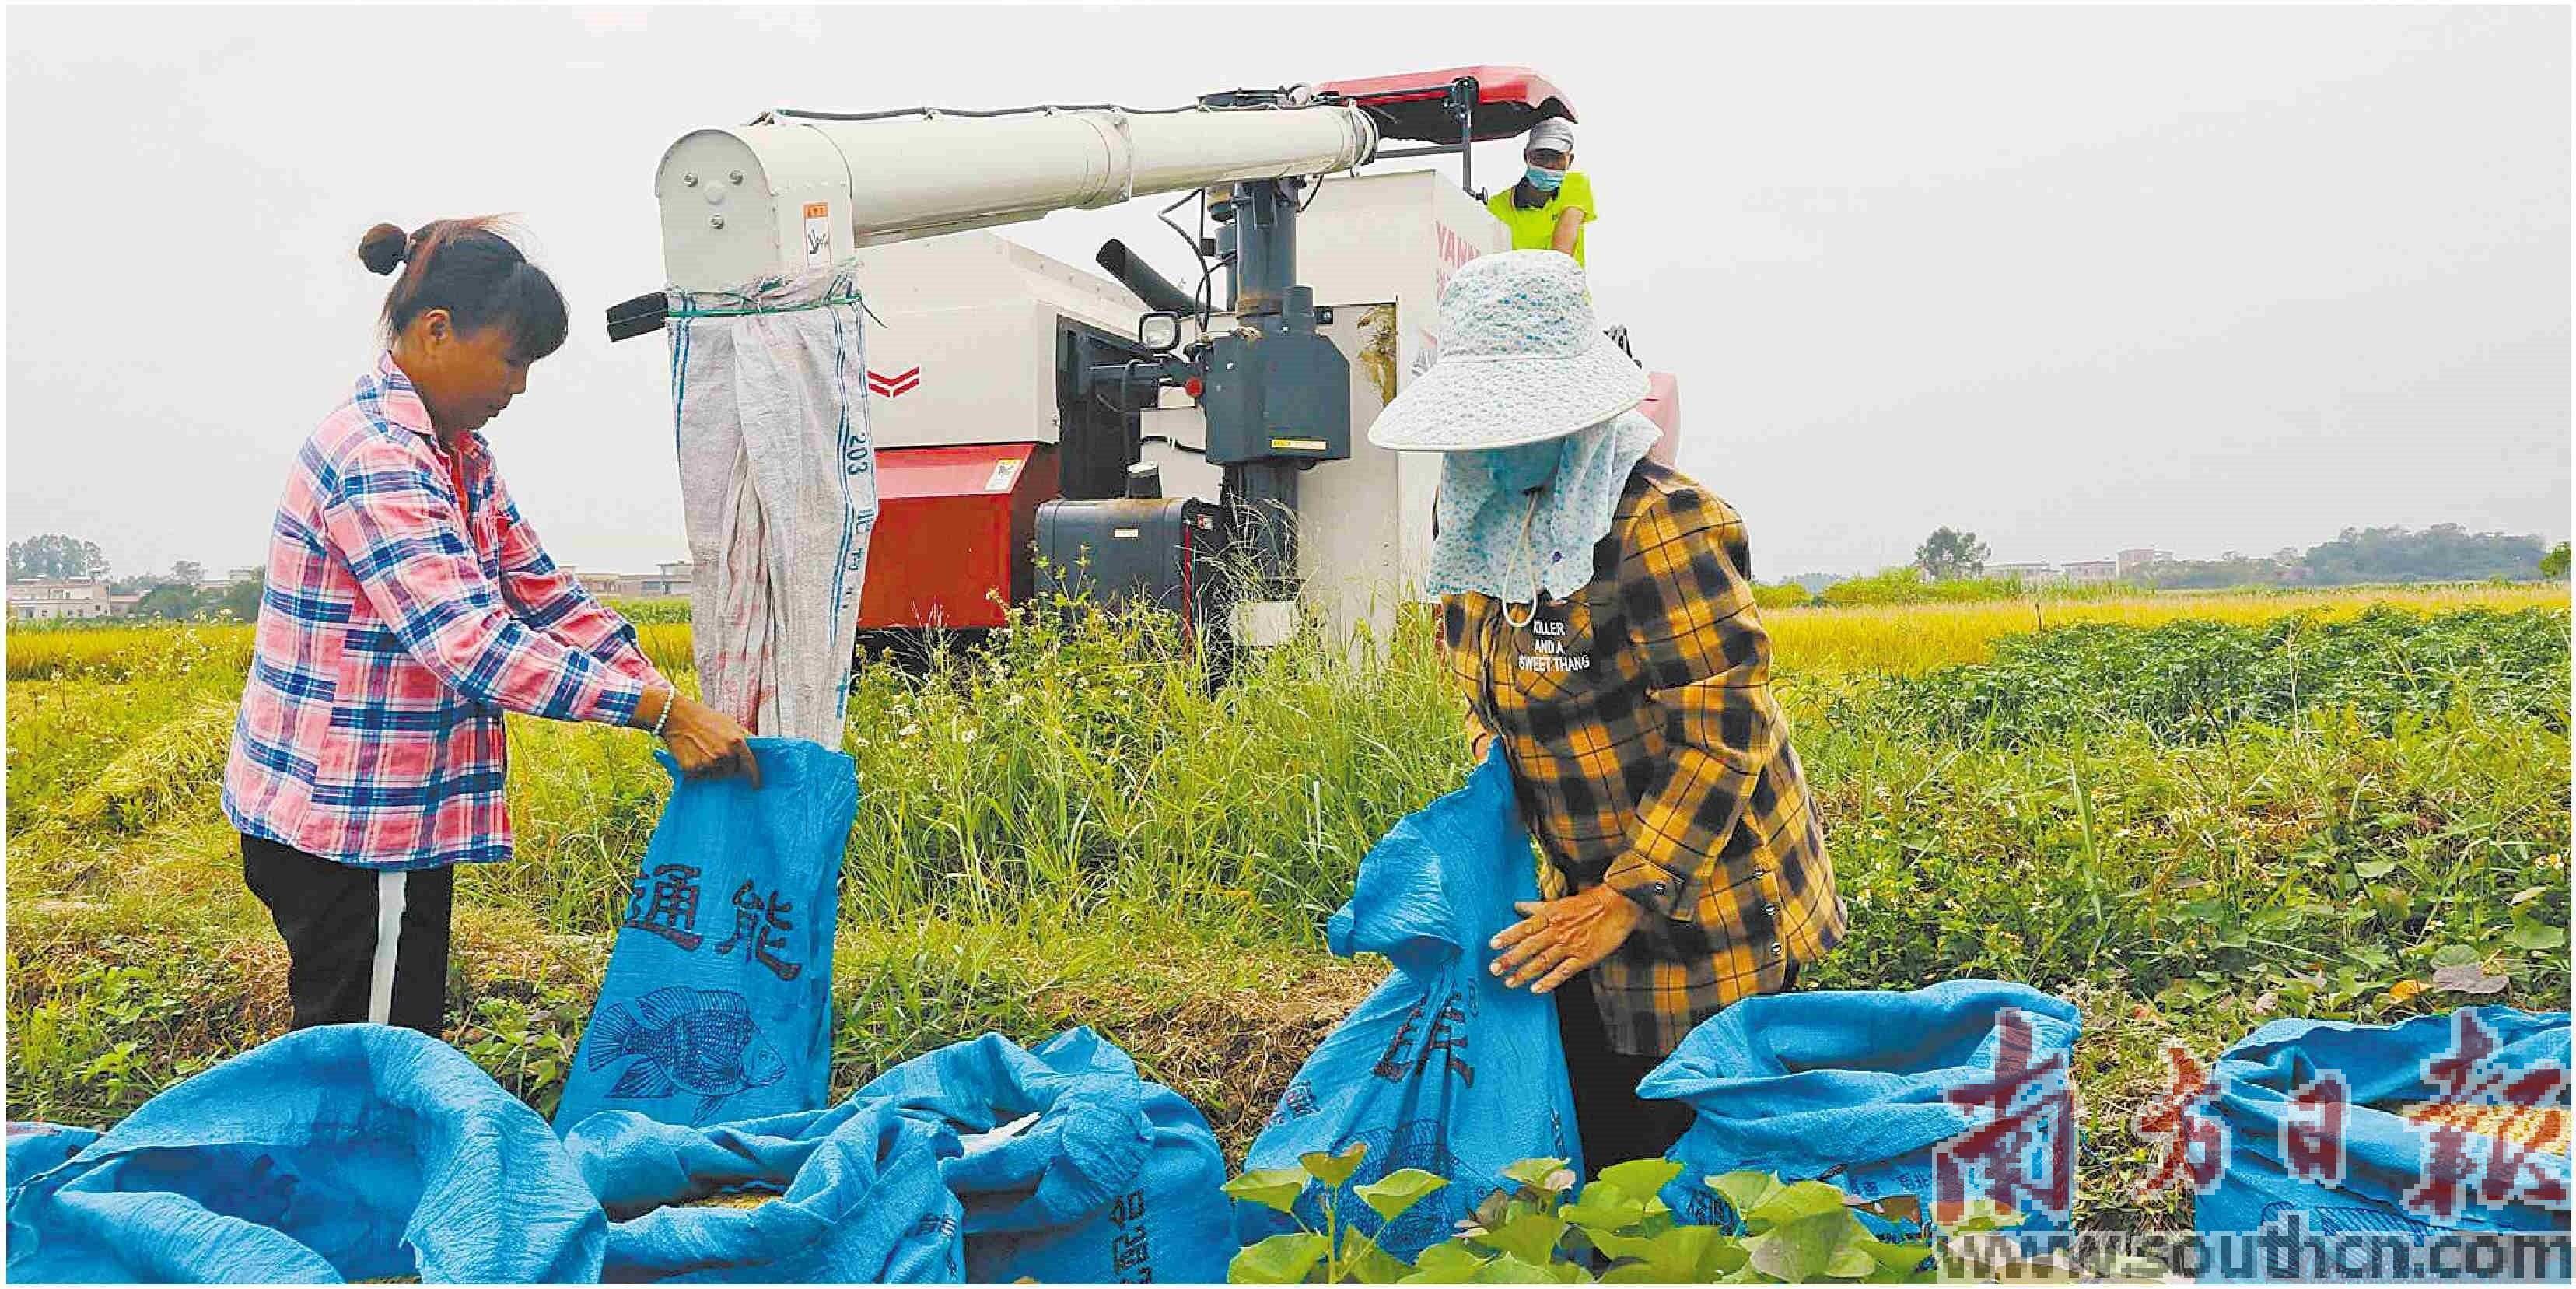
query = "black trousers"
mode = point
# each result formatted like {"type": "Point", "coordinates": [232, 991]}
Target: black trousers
{"type": "Point", "coordinates": [361, 946]}
{"type": "Point", "coordinates": [1616, 1124]}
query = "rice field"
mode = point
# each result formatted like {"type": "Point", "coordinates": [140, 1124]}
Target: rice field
{"type": "Point", "coordinates": [1066, 827]}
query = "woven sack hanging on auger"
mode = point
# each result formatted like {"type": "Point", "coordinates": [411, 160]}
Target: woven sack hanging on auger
{"type": "Point", "coordinates": [778, 484]}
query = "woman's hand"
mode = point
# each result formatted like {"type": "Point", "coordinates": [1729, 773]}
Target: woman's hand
{"type": "Point", "coordinates": [1562, 937]}
{"type": "Point", "coordinates": [706, 742]}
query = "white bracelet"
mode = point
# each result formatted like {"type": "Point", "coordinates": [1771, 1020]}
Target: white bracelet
{"type": "Point", "coordinates": [665, 717]}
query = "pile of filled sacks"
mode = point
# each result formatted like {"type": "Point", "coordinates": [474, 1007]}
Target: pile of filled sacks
{"type": "Point", "coordinates": [363, 1152]}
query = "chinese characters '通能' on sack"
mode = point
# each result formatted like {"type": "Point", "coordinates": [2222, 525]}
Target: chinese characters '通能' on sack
{"type": "Point", "coordinates": [717, 1003]}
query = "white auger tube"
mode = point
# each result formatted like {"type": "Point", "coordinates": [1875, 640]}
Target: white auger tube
{"type": "Point", "coordinates": [798, 193]}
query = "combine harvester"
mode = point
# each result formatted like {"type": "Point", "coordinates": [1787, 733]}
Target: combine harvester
{"type": "Point", "coordinates": [1139, 439]}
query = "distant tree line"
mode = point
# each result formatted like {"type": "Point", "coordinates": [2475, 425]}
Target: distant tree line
{"type": "Point", "coordinates": [178, 595]}
{"type": "Point", "coordinates": [54, 556]}
{"type": "Point", "coordinates": [1951, 565]}
{"type": "Point", "coordinates": [2441, 553]}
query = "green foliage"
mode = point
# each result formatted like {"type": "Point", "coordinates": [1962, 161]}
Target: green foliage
{"type": "Point", "coordinates": [1907, 584]}
{"type": "Point", "coordinates": [652, 611]}
{"type": "Point", "coordinates": [1949, 554]}
{"type": "Point", "coordinates": [168, 602]}
{"type": "Point", "coordinates": [2441, 553]}
{"type": "Point", "coordinates": [54, 555]}
{"type": "Point", "coordinates": [527, 1043]}
{"type": "Point", "coordinates": [239, 602]}
{"type": "Point", "coordinates": [2554, 564]}
{"type": "Point", "coordinates": [1618, 1230]}
{"type": "Point", "coordinates": [1784, 595]}
{"type": "Point", "coordinates": [2197, 680]}
{"type": "Point", "coordinates": [99, 1040]}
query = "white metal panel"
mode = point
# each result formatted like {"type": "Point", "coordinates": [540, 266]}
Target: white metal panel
{"type": "Point", "coordinates": [964, 338]}
{"type": "Point", "coordinates": [1382, 237]}
{"type": "Point", "coordinates": [1350, 531]}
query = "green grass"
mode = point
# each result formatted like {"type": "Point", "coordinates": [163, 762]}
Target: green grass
{"type": "Point", "coordinates": [1066, 827]}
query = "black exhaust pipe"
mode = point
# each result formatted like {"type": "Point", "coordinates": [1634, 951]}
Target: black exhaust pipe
{"type": "Point", "coordinates": [1136, 275]}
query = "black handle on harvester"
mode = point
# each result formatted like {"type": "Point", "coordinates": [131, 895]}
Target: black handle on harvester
{"type": "Point", "coordinates": [644, 313]}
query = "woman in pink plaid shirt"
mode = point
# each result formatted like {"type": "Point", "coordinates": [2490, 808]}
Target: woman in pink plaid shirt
{"type": "Point", "coordinates": [407, 607]}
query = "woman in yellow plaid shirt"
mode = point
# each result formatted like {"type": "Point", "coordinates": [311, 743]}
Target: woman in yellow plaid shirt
{"type": "Point", "coordinates": [1597, 611]}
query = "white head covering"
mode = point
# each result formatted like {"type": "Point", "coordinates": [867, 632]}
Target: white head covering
{"type": "Point", "coordinates": [1520, 361]}
{"type": "Point", "coordinates": [1554, 132]}
{"type": "Point", "coordinates": [1516, 522]}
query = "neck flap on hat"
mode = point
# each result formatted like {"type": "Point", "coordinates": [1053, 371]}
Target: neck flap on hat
{"type": "Point", "coordinates": [1497, 539]}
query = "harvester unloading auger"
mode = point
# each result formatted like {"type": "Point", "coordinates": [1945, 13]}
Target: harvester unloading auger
{"type": "Point", "coordinates": [1029, 418]}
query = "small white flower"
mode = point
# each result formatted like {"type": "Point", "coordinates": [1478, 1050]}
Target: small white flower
{"type": "Point", "coordinates": [966, 735]}
{"type": "Point", "coordinates": [910, 730]}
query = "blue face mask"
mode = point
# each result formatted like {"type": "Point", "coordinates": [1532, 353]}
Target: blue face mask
{"type": "Point", "coordinates": [1517, 470]}
{"type": "Point", "coordinates": [1544, 179]}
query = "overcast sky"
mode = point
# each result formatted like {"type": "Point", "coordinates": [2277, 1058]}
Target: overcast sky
{"type": "Point", "coordinates": [2077, 279]}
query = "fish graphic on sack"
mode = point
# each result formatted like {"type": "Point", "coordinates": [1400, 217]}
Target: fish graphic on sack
{"type": "Point", "coordinates": [687, 1040]}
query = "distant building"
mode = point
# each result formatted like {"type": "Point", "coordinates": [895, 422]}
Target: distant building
{"type": "Point", "coordinates": [672, 579]}
{"type": "Point", "coordinates": [2091, 572]}
{"type": "Point", "coordinates": [2040, 572]}
{"type": "Point", "coordinates": [57, 599]}
{"type": "Point", "coordinates": [2135, 560]}
{"type": "Point", "coordinates": [675, 578]}
{"type": "Point", "coordinates": [235, 577]}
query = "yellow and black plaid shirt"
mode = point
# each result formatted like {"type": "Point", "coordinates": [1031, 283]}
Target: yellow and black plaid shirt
{"type": "Point", "coordinates": [1649, 754]}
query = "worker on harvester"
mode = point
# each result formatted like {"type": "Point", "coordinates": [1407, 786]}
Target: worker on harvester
{"type": "Point", "coordinates": [1597, 609]}
{"type": "Point", "coordinates": [1548, 209]}
{"type": "Point", "coordinates": [408, 605]}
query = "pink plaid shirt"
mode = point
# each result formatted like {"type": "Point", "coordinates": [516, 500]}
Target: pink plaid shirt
{"type": "Point", "coordinates": [393, 633]}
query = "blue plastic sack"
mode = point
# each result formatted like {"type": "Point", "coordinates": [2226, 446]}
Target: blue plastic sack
{"type": "Point", "coordinates": [1443, 1068]}
{"type": "Point", "coordinates": [1072, 1168]}
{"type": "Point", "coordinates": [860, 1200]}
{"type": "Point", "coordinates": [717, 1003]}
{"type": "Point", "coordinates": [36, 1147]}
{"type": "Point", "coordinates": [2384, 1153]}
{"type": "Point", "coordinates": [1850, 1087]}
{"type": "Point", "coordinates": [345, 1152]}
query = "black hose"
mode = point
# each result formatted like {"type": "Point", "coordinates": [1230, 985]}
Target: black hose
{"type": "Point", "coordinates": [1136, 275]}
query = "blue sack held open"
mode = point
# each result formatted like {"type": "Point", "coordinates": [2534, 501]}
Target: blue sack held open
{"type": "Point", "coordinates": [860, 1200]}
{"type": "Point", "coordinates": [717, 1002]}
{"type": "Point", "coordinates": [345, 1152]}
{"type": "Point", "coordinates": [1072, 1169]}
{"type": "Point", "coordinates": [2394, 1095]}
{"type": "Point", "coordinates": [1854, 1087]}
{"type": "Point", "coordinates": [1443, 1067]}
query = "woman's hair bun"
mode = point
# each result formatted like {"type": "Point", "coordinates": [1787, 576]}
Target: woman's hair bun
{"type": "Point", "coordinates": [381, 250]}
